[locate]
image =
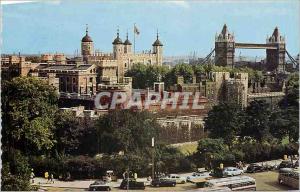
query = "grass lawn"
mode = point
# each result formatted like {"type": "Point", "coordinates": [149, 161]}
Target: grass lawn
{"type": "Point", "coordinates": [187, 148]}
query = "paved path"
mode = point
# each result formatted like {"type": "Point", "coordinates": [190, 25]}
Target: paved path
{"type": "Point", "coordinates": [84, 184]}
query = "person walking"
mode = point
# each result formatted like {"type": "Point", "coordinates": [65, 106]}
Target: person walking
{"type": "Point", "coordinates": [32, 176]}
{"type": "Point", "coordinates": [46, 176]}
{"type": "Point", "coordinates": [52, 178]}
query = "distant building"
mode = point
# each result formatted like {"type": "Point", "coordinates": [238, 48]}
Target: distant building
{"type": "Point", "coordinates": [123, 57]}
{"type": "Point", "coordinates": [79, 79]}
{"type": "Point", "coordinates": [224, 48]}
{"type": "Point", "coordinates": [15, 66]}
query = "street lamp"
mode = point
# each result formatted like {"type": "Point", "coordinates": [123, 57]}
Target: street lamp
{"type": "Point", "coordinates": [152, 145]}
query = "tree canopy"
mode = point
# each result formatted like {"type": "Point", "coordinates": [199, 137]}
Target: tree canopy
{"type": "Point", "coordinates": [224, 121]}
{"type": "Point", "coordinates": [28, 109]}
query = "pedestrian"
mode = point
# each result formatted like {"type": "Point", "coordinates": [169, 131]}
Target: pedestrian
{"type": "Point", "coordinates": [49, 178]}
{"type": "Point", "coordinates": [109, 178]}
{"type": "Point", "coordinates": [46, 175]}
{"type": "Point", "coordinates": [32, 176]}
{"type": "Point", "coordinates": [52, 178]}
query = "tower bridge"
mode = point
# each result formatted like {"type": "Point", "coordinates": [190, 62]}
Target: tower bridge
{"type": "Point", "coordinates": [275, 47]}
{"type": "Point", "coordinates": [254, 46]}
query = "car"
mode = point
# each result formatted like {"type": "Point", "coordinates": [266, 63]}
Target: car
{"type": "Point", "coordinates": [285, 164]}
{"type": "Point", "coordinates": [177, 178]}
{"type": "Point", "coordinates": [132, 184]}
{"type": "Point", "coordinates": [161, 182]}
{"type": "Point", "coordinates": [232, 171]}
{"type": "Point", "coordinates": [254, 168]}
{"type": "Point", "coordinates": [99, 186]}
{"type": "Point", "coordinates": [197, 175]}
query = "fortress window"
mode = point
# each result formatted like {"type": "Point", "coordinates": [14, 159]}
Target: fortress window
{"type": "Point", "coordinates": [91, 79]}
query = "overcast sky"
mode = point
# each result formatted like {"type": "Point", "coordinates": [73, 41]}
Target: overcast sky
{"type": "Point", "coordinates": [184, 26]}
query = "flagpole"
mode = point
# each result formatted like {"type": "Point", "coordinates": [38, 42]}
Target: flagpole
{"type": "Point", "coordinates": [134, 38]}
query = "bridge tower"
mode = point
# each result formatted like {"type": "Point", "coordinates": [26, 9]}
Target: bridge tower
{"type": "Point", "coordinates": [276, 57]}
{"type": "Point", "coordinates": [224, 48]}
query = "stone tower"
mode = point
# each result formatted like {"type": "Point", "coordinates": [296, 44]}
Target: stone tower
{"type": "Point", "coordinates": [127, 45]}
{"type": "Point", "coordinates": [118, 47]}
{"type": "Point", "coordinates": [224, 48]}
{"type": "Point", "coordinates": [276, 57]}
{"type": "Point", "coordinates": [87, 45]}
{"type": "Point", "coordinates": [158, 50]}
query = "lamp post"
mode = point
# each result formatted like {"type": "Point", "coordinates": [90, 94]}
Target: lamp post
{"type": "Point", "coordinates": [152, 145]}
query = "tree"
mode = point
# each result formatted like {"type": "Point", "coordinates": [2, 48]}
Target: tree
{"type": "Point", "coordinates": [145, 75]}
{"type": "Point", "coordinates": [224, 121]}
{"type": "Point", "coordinates": [211, 152]}
{"type": "Point", "coordinates": [15, 173]}
{"type": "Point", "coordinates": [257, 121]}
{"type": "Point", "coordinates": [67, 132]}
{"type": "Point", "coordinates": [126, 130]}
{"type": "Point", "coordinates": [184, 70]}
{"type": "Point", "coordinates": [28, 107]}
{"type": "Point", "coordinates": [138, 74]}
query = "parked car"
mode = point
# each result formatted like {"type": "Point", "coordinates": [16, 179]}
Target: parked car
{"type": "Point", "coordinates": [254, 168]}
{"type": "Point", "coordinates": [197, 175]}
{"type": "Point", "coordinates": [232, 171]}
{"type": "Point", "coordinates": [99, 186]}
{"type": "Point", "coordinates": [161, 182]}
{"type": "Point", "coordinates": [132, 184]}
{"type": "Point", "coordinates": [177, 178]}
{"type": "Point", "coordinates": [285, 164]}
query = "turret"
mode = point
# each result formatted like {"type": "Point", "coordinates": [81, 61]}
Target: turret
{"type": "Point", "coordinates": [87, 46]}
{"type": "Point", "coordinates": [276, 57]}
{"type": "Point", "coordinates": [158, 50]}
{"type": "Point", "coordinates": [224, 48]}
{"type": "Point", "coordinates": [118, 46]}
{"type": "Point", "coordinates": [127, 45]}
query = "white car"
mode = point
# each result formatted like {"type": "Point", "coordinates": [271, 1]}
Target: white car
{"type": "Point", "coordinates": [196, 175]}
{"type": "Point", "coordinates": [232, 171]}
{"type": "Point", "coordinates": [177, 178]}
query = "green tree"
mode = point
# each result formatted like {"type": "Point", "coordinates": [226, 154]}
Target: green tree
{"type": "Point", "coordinates": [211, 152]}
{"type": "Point", "coordinates": [257, 121]}
{"type": "Point", "coordinates": [67, 133]}
{"type": "Point", "coordinates": [28, 108]}
{"type": "Point", "coordinates": [15, 173]}
{"type": "Point", "coordinates": [145, 75]}
{"type": "Point", "coordinates": [224, 121]}
{"type": "Point", "coordinates": [184, 70]}
{"type": "Point", "coordinates": [126, 130]}
{"type": "Point", "coordinates": [138, 74]}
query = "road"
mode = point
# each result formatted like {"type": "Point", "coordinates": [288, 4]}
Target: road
{"type": "Point", "coordinates": [265, 181]}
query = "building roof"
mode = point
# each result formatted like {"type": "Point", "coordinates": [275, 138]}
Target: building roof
{"type": "Point", "coordinates": [117, 40]}
{"type": "Point", "coordinates": [127, 42]}
{"type": "Point", "coordinates": [64, 67]}
{"type": "Point", "coordinates": [276, 33]}
{"type": "Point", "coordinates": [86, 38]}
{"type": "Point", "coordinates": [157, 41]}
{"type": "Point", "coordinates": [224, 30]}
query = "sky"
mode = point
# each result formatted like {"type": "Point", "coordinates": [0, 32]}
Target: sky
{"type": "Point", "coordinates": [184, 26]}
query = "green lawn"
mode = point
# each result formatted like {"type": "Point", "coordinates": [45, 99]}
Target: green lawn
{"type": "Point", "coordinates": [187, 148]}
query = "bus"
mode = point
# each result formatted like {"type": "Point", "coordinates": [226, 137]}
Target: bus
{"type": "Point", "coordinates": [289, 177]}
{"type": "Point", "coordinates": [212, 189]}
{"type": "Point", "coordinates": [236, 183]}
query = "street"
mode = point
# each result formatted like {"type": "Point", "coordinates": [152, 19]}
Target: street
{"type": "Point", "coordinates": [265, 181]}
